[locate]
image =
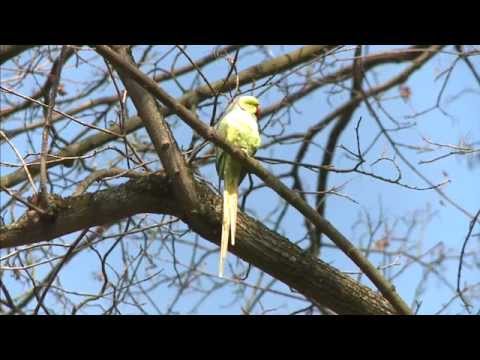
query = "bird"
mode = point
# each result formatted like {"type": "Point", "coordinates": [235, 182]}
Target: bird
{"type": "Point", "coordinates": [239, 127]}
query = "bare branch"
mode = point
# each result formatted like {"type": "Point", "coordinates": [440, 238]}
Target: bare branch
{"type": "Point", "coordinates": [257, 244]}
{"type": "Point", "coordinates": [159, 132]}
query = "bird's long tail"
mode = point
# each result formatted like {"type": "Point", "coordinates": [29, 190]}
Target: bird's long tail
{"type": "Point", "coordinates": [229, 225]}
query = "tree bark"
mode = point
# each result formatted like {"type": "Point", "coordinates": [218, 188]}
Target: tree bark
{"type": "Point", "coordinates": [256, 244]}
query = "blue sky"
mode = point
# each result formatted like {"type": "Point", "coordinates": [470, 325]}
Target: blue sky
{"type": "Point", "coordinates": [447, 226]}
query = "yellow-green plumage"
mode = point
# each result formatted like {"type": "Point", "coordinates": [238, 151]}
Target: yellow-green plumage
{"type": "Point", "coordinates": [239, 128]}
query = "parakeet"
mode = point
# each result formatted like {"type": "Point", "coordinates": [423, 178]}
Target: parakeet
{"type": "Point", "coordinates": [239, 128]}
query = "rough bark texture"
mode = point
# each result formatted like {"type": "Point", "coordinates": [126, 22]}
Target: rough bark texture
{"type": "Point", "coordinates": [256, 244]}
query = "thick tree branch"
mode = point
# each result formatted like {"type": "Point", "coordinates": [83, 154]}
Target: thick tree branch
{"type": "Point", "coordinates": [257, 244]}
{"type": "Point", "coordinates": [160, 134]}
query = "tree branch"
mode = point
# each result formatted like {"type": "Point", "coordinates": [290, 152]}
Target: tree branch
{"type": "Point", "coordinates": [329, 152]}
{"type": "Point", "coordinates": [257, 244]}
{"type": "Point", "coordinates": [160, 134]}
{"type": "Point", "coordinates": [51, 95]}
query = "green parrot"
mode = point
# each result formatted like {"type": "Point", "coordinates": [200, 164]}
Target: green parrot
{"type": "Point", "coordinates": [239, 128]}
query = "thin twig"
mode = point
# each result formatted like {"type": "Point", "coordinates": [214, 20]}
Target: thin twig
{"type": "Point", "coordinates": [10, 91]}
{"type": "Point", "coordinates": [29, 176]}
{"type": "Point", "coordinates": [23, 201]}
{"type": "Point", "coordinates": [460, 262]}
{"type": "Point", "coordinates": [58, 268]}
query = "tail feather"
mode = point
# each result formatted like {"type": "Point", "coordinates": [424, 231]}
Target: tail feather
{"type": "Point", "coordinates": [229, 225]}
{"type": "Point", "coordinates": [225, 231]}
{"type": "Point", "coordinates": [233, 203]}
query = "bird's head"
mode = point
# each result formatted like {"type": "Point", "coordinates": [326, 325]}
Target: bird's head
{"type": "Point", "coordinates": [250, 104]}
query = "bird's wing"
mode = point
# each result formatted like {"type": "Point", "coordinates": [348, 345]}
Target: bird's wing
{"type": "Point", "coordinates": [254, 145]}
{"type": "Point", "coordinates": [222, 129]}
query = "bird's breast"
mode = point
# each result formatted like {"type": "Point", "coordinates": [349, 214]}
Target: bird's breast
{"type": "Point", "coordinates": [244, 133]}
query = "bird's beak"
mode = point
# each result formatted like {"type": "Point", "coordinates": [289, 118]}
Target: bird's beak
{"type": "Point", "coordinates": [257, 113]}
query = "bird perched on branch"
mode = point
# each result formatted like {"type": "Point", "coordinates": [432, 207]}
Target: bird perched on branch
{"type": "Point", "coordinates": [239, 128]}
